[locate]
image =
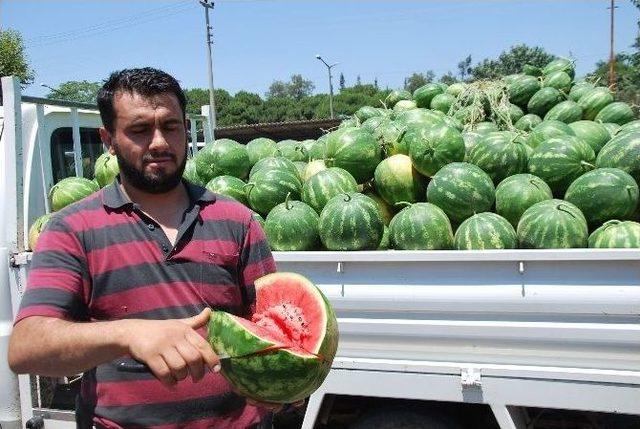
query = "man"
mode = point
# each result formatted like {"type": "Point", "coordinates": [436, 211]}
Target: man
{"type": "Point", "coordinates": [131, 271]}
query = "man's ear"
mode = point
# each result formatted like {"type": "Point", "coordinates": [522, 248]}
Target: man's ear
{"type": "Point", "coordinates": [106, 138]}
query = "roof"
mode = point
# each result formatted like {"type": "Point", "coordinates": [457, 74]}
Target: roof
{"type": "Point", "coordinates": [296, 130]}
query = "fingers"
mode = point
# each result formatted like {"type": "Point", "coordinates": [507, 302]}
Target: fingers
{"type": "Point", "coordinates": [176, 363]}
{"type": "Point", "coordinates": [162, 371]}
{"type": "Point", "coordinates": [200, 320]}
{"type": "Point", "coordinates": [204, 349]}
{"type": "Point", "coordinates": [193, 360]}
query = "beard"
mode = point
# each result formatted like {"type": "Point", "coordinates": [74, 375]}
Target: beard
{"type": "Point", "coordinates": [151, 182]}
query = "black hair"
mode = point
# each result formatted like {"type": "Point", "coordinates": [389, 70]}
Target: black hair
{"type": "Point", "coordinates": [145, 81]}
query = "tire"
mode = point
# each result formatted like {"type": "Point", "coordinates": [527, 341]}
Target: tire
{"type": "Point", "coordinates": [403, 418]}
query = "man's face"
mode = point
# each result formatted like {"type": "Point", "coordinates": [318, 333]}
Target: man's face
{"type": "Point", "coordinates": [149, 139]}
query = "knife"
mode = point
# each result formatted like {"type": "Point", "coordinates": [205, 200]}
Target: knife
{"type": "Point", "coordinates": [134, 366]}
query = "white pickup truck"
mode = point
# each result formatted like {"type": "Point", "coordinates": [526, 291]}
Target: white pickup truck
{"type": "Point", "coordinates": [429, 339]}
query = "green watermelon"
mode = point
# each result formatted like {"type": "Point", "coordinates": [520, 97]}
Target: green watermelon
{"type": "Point", "coordinates": [561, 160]}
{"type": "Point", "coordinates": [560, 64]}
{"type": "Point", "coordinates": [470, 141]}
{"type": "Point", "coordinates": [404, 105]}
{"type": "Point", "coordinates": [70, 190]}
{"type": "Point", "coordinates": [425, 94]}
{"type": "Point", "coordinates": [558, 80]}
{"type": "Point", "coordinates": [396, 180]}
{"type": "Point", "coordinates": [433, 146]}
{"type": "Point", "coordinates": [543, 100]}
{"type": "Point", "coordinates": [391, 134]}
{"type": "Point", "coordinates": [351, 221]}
{"type": "Point", "coordinates": [566, 111]}
{"type": "Point", "coordinates": [485, 231]}
{"type": "Point", "coordinates": [552, 224]}
{"type": "Point", "coordinates": [312, 168]}
{"type": "Point", "coordinates": [190, 174]}
{"type": "Point", "coordinates": [593, 101]}
{"type": "Point", "coordinates": [443, 102]}
{"type": "Point", "coordinates": [593, 133]}
{"type": "Point", "coordinates": [419, 117]}
{"type": "Point", "coordinates": [530, 70]}
{"type": "Point", "coordinates": [260, 148]}
{"type": "Point", "coordinates": [616, 234]}
{"type": "Point", "coordinates": [106, 169]}
{"type": "Point", "coordinates": [629, 126]}
{"type": "Point", "coordinates": [292, 226]}
{"type": "Point", "coordinates": [579, 89]}
{"type": "Point", "coordinates": [421, 226]}
{"type": "Point", "coordinates": [528, 122]}
{"type": "Point", "coordinates": [455, 89]}
{"type": "Point", "coordinates": [36, 228]}
{"type": "Point", "coordinates": [374, 125]}
{"type": "Point", "coordinates": [229, 186]}
{"type": "Point", "coordinates": [293, 150]}
{"type": "Point", "coordinates": [485, 127]}
{"type": "Point", "coordinates": [386, 211]}
{"type": "Point", "coordinates": [326, 184]}
{"type": "Point", "coordinates": [461, 190]}
{"type": "Point", "coordinates": [612, 128]}
{"type": "Point", "coordinates": [604, 194]}
{"type": "Point", "coordinates": [256, 216]}
{"type": "Point", "coordinates": [366, 112]}
{"type": "Point", "coordinates": [222, 157]}
{"type": "Point", "coordinates": [623, 152]}
{"type": "Point", "coordinates": [547, 130]}
{"type": "Point", "coordinates": [301, 166]}
{"type": "Point", "coordinates": [521, 90]}
{"type": "Point", "coordinates": [511, 78]}
{"type": "Point", "coordinates": [395, 96]}
{"type": "Point", "coordinates": [617, 112]}
{"type": "Point", "coordinates": [507, 114]}
{"type": "Point", "coordinates": [269, 187]}
{"type": "Point", "coordinates": [354, 150]}
{"type": "Point", "coordinates": [517, 193]}
{"type": "Point", "coordinates": [500, 154]}
{"type": "Point", "coordinates": [385, 243]}
{"type": "Point", "coordinates": [292, 338]}
{"type": "Point", "coordinates": [353, 122]}
{"type": "Point", "coordinates": [273, 162]}
{"type": "Point", "coordinates": [318, 149]}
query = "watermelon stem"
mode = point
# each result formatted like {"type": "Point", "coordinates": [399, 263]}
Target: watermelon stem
{"type": "Point", "coordinates": [286, 201]}
{"type": "Point", "coordinates": [587, 164]}
{"type": "Point", "coordinates": [348, 197]}
{"type": "Point", "coordinates": [403, 203]}
{"type": "Point", "coordinates": [248, 186]}
{"type": "Point", "coordinates": [562, 209]}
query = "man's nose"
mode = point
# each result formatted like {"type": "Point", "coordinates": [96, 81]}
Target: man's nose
{"type": "Point", "coordinates": [158, 141]}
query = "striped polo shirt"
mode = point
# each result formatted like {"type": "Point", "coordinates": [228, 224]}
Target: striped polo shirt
{"type": "Point", "coordinates": [104, 259]}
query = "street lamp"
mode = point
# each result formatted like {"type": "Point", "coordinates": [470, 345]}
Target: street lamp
{"type": "Point", "coordinates": [56, 91]}
{"type": "Point", "coordinates": [329, 67]}
{"type": "Point", "coordinates": [208, 4]}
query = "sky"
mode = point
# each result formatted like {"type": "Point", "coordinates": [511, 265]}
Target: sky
{"type": "Point", "coordinates": [259, 41]}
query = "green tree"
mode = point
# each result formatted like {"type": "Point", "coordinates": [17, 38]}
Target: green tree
{"type": "Point", "coordinates": [342, 82]}
{"type": "Point", "coordinates": [13, 60]}
{"type": "Point", "coordinates": [511, 61]}
{"type": "Point", "coordinates": [448, 78]}
{"type": "Point", "coordinates": [74, 90]}
{"type": "Point", "coordinates": [297, 88]}
{"type": "Point", "coordinates": [416, 80]}
{"type": "Point", "coordinates": [464, 68]}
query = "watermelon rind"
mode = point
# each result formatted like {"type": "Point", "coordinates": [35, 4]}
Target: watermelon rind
{"type": "Point", "coordinates": [431, 147]}
{"type": "Point", "coordinates": [397, 180]}
{"type": "Point", "coordinates": [230, 186]}
{"type": "Point", "coordinates": [292, 226]}
{"type": "Point", "coordinates": [623, 152]}
{"type": "Point", "coordinates": [354, 150]}
{"type": "Point", "coordinates": [222, 157]}
{"type": "Point", "coordinates": [617, 112]}
{"type": "Point", "coordinates": [552, 224]}
{"type": "Point", "coordinates": [593, 101]}
{"type": "Point", "coordinates": [616, 234]}
{"type": "Point", "coordinates": [326, 184]}
{"type": "Point", "coordinates": [500, 154]}
{"type": "Point", "coordinates": [515, 194]}
{"type": "Point", "coordinates": [593, 133]}
{"type": "Point", "coordinates": [484, 231]}
{"type": "Point", "coordinates": [71, 190]}
{"type": "Point", "coordinates": [421, 226]}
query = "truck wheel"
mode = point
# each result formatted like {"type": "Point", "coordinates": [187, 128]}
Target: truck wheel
{"type": "Point", "coordinates": [403, 418]}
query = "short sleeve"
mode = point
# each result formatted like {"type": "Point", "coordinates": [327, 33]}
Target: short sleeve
{"type": "Point", "coordinates": [57, 282]}
{"type": "Point", "coordinates": [256, 260]}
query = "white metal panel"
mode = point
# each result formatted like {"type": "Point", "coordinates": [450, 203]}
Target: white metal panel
{"type": "Point", "coordinates": [77, 143]}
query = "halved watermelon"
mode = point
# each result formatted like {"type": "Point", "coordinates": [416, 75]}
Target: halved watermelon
{"type": "Point", "coordinates": [292, 337]}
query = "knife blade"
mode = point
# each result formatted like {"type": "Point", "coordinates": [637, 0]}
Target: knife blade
{"type": "Point", "coordinates": [134, 366]}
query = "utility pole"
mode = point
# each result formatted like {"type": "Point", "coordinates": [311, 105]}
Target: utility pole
{"type": "Point", "coordinates": [612, 55]}
{"type": "Point", "coordinates": [208, 4]}
{"type": "Point", "coordinates": [329, 67]}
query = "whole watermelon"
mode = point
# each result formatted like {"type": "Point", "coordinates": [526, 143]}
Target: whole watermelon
{"type": "Point", "coordinates": [612, 128]}
{"type": "Point", "coordinates": [593, 101]}
{"type": "Point", "coordinates": [386, 211]}
{"type": "Point", "coordinates": [456, 88]}
{"type": "Point", "coordinates": [543, 100]}
{"type": "Point", "coordinates": [326, 184]}
{"type": "Point", "coordinates": [36, 228]}
{"type": "Point", "coordinates": [70, 190]}
{"type": "Point", "coordinates": [517, 193]}
{"type": "Point", "coordinates": [433, 146]}
{"type": "Point", "coordinates": [421, 226]}
{"type": "Point", "coordinates": [604, 194]}
{"type": "Point", "coordinates": [106, 169]}
{"type": "Point", "coordinates": [461, 190]}
{"type": "Point", "coordinates": [530, 70]}
{"type": "Point", "coordinates": [301, 166]}
{"type": "Point", "coordinates": [395, 96]}
{"type": "Point", "coordinates": [566, 111]}
{"type": "Point", "coordinates": [500, 154]}
{"type": "Point", "coordinates": [288, 344]}
{"type": "Point", "coordinates": [561, 160]}
{"type": "Point", "coordinates": [579, 89]}
{"type": "Point", "coordinates": [560, 64]}
{"type": "Point", "coordinates": [230, 186]}
{"type": "Point", "coordinates": [546, 130]}
{"type": "Point", "coordinates": [616, 234]}
{"type": "Point", "coordinates": [617, 112]}
{"type": "Point", "coordinates": [312, 168]}
{"type": "Point", "coordinates": [190, 173]}
{"type": "Point", "coordinates": [222, 157]}
{"type": "Point", "coordinates": [632, 126]}
{"type": "Point", "coordinates": [354, 150]}
{"type": "Point", "coordinates": [318, 149]}
{"type": "Point", "coordinates": [528, 122]}
{"type": "Point", "coordinates": [351, 221]}
{"type": "Point", "coordinates": [269, 187]}
{"type": "Point", "coordinates": [552, 224]}
{"type": "Point", "coordinates": [366, 112]}
{"type": "Point", "coordinates": [403, 105]}
{"type": "Point", "coordinates": [273, 162]}
{"type": "Point", "coordinates": [485, 231]}
{"type": "Point", "coordinates": [391, 134]}
{"type": "Point", "coordinates": [593, 133]}
{"type": "Point", "coordinates": [292, 226]}
{"type": "Point", "coordinates": [396, 180]}
{"type": "Point", "coordinates": [260, 148]}
{"type": "Point", "coordinates": [623, 152]}
{"type": "Point", "coordinates": [485, 127]}
{"type": "Point", "coordinates": [559, 80]}
{"type": "Point", "coordinates": [425, 94]}
{"type": "Point", "coordinates": [293, 150]}
{"type": "Point", "coordinates": [470, 141]}
{"type": "Point", "coordinates": [443, 102]}
{"type": "Point", "coordinates": [521, 90]}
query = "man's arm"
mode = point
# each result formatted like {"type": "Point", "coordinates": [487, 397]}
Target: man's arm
{"type": "Point", "coordinates": [56, 347]}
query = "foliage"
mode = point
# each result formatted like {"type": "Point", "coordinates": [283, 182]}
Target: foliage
{"type": "Point", "coordinates": [416, 80]}
{"type": "Point", "coordinates": [511, 61]}
{"type": "Point", "coordinates": [73, 90]}
{"type": "Point", "coordinates": [464, 68]}
{"type": "Point", "coordinates": [448, 78]}
{"type": "Point", "coordinates": [13, 60]}
{"type": "Point", "coordinates": [297, 88]}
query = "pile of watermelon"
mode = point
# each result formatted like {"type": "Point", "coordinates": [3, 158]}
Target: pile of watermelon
{"type": "Point", "coordinates": [531, 160]}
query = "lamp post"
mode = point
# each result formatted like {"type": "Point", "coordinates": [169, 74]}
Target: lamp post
{"type": "Point", "coordinates": [208, 4]}
{"type": "Point", "coordinates": [56, 91]}
{"type": "Point", "coordinates": [329, 67]}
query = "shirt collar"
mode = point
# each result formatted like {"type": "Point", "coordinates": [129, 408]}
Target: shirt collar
{"type": "Point", "coordinates": [114, 198]}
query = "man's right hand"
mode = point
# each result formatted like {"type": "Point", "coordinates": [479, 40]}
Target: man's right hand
{"type": "Point", "coordinates": [172, 349]}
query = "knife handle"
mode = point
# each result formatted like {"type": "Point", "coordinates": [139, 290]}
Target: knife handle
{"type": "Point", "coordinates": [133, 366]}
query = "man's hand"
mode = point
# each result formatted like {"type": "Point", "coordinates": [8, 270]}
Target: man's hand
{"type": "Point", "coordinates": [172, 349]}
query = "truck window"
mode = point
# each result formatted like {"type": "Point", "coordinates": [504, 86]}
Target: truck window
{"type": "Point", "coordinates": [62, 161]}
